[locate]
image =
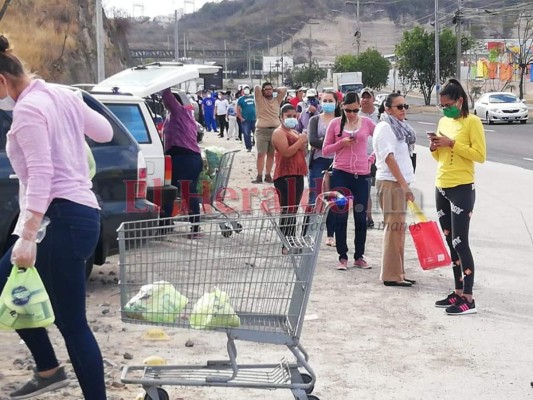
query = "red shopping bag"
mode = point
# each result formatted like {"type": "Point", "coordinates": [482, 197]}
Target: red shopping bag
{"type": "Point", "coordinates": [429, 245]}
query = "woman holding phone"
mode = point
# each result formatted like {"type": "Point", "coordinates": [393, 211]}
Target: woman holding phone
{"type": "Point", "coordinates": [347, 138]}
{"type": "Point", "coordinates": [460, 143]}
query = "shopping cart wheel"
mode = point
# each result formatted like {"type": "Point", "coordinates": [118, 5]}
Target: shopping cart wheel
{"type": "Point", "coordinates": [306, 378]}
{"type": "Point", "coordinates": [237, 228]}
{"type": "Point", "coordinates": [226, 230]}
{"type": "Point", "coordinates": [162, 393]}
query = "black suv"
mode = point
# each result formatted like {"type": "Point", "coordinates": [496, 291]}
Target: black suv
{"type": "Point", "coordinates": [118, 185]}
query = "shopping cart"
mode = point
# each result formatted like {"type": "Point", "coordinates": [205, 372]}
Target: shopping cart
{"type": "Point", "coordinates": [254, 286]}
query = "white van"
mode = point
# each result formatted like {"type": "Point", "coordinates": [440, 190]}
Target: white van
{"type": "Point", "coordinates": [125, 95]}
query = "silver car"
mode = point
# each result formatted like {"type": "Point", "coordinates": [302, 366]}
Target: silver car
{"type": "Point", "coordinates": [501, 106]}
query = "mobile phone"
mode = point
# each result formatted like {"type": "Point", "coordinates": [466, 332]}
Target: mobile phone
{"type": "Point", "coordinates": [431, 133]}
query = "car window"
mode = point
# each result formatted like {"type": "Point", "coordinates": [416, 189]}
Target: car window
{"type": "Point", "coordinates": [131, 116]}
{"type": "Point", "coordinates": [5, 124]}
{"type": "Point", "coordinates": [503, 98]}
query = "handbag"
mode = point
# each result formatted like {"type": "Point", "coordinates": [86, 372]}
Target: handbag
{"type": "Point", "coordinates": [24, 302]}
{"type": "Point", "coordinates": [427, 238]}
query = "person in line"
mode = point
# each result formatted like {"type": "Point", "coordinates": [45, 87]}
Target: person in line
{"type": "Point", "coordinates": [208, 108]}
{"type": "Point", "coordinates": [309, 109]}
{"type": "Point", "coordinates": [179, 132]}
{"type": "Point", "coordinates": [299, 97]}
{"type": "Point", "coordinates": [291, 168]}
{"type": "Point", "coordinates": [369, 110]}
{"type": "Point", "coordinates": [347, 138]}
{"type": "Point", "coordinates": [46, 148]}
{"type": "Point", "coordinates": [221, 112]}
{"type": "Point", "coordinates": [318, 162]}
{"type": "Point", "coordinates": [393, 137]}
{"type": "Point", "coordinates": [268, 107]}
{"type": "Point", "coordinates": [246, 114]}
{"type": "Point", "coordinates": [458, 144]}
{"type": "Point", "coordinates": [232, 121]}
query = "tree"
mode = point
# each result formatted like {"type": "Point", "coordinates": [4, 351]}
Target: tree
{"type": "Point", "coordinates": [525, 42]}
{"type": "Point", "coordinates": [374, 67]}
{"type": "Point", "coordinates": [309, 75]}
{"type": "Point", "coordinates": [416, 59]}
{"type": "Point", "coordinates": [4, 8]}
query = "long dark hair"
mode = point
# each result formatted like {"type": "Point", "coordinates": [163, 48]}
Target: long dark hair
{"type": "Point", "coordinates": [387, 102]}
{"type": "Point", "coordinates": [454, 90]}
{"type": "Point", "coordinates": [349, 98]}
{"type": "Point", "coordinates": [9, 63]}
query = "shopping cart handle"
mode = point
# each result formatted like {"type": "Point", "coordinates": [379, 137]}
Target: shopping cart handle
{"type": "Point", "coordinates": [339, 199]}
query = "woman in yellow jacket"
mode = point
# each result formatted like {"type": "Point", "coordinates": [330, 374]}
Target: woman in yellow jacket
{"type": "Point", "coordinates": [459, 142]}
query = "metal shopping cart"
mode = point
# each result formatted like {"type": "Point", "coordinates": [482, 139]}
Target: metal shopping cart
{"type": "Point", "coordinates": [254, 286]}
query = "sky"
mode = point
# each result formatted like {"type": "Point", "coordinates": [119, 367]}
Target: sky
{"type": "Point", "coordinates": [153, 8]}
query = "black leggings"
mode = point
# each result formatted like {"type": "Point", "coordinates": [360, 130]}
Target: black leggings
{"type": "Point", "coordinates": [289, 189]}
{"type": "Point", "coordinates": [222, 123]}
{"type": "Point", "coordinates": [454, 208]}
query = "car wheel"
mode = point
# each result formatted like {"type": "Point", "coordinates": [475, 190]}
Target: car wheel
{"type": "Point", "coordinates": [487, 118]}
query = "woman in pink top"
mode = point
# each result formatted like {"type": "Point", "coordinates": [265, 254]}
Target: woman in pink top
{"type": "Point", "coordinates": [347, 139]}
{"type": "Point", "coordinates": [46, 147]}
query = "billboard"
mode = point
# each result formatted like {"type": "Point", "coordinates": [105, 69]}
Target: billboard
{"type": "Point", "coordinates": [273, 64]}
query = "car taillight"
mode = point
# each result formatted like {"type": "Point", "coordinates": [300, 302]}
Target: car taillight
{"type": "Point", "coordinates": [168, 170]}
{"type": "Point", "coordinates": [142, 175]}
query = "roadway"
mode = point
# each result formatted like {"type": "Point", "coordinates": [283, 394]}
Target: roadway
{"type": "Point", "coordinates": [506, 143]}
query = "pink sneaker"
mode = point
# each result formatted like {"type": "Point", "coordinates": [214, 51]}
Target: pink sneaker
{"type": "Point", "coordinates": [343, 265]}
{"type": "Point", "coordinates": [361, 263]}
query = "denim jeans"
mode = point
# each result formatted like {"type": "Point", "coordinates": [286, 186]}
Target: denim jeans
{"type": "Point", "coordinates": [248, 126]}
{"type": "Point", "coordinates": [315, 188]}
{"type": "Point", "coordinates": [356, 186]}
{"type": "Point", "coordinates": [70, 240]}
{"type": "Point", "coordinates": [186, 169]}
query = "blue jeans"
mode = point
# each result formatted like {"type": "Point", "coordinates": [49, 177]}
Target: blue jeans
{"type": "Point", "coordinates": [356, 186]}
{"type": "Point", "coordinates": [70, 240]}
{"type": "Point", "coordinates": [248, 126]}
{"type": "Point", "coordinates": [186, 169]}
{"type": "Point", "coordinates": [315, 188]}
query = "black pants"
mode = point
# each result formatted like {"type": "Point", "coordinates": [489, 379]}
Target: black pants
{"type": "Point", "coordinates": [290, 190]}
{"type": "Point", "coordinates": [454, 208]}
{"type": "Point", "coordinates": [222, 123]}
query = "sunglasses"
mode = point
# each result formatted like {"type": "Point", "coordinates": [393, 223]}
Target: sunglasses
{"type": "Point", "coordinates": [355, 110]}
{"type": "Point", "coordinates": [402, 106]}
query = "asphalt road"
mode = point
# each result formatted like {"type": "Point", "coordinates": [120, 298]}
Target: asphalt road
{"type": "Point", "coordinates": [506, 143]}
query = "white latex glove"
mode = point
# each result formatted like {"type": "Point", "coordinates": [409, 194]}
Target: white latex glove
{"type": "Point", "coordinates": [24, 253]}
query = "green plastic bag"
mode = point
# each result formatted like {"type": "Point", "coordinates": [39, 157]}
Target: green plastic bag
{"type": "Point", "coordinates": [24, 302]}
{"type": "Point", "coordinates": [213, 310]}
{"type": "Point", "coordinates": [156, 302]}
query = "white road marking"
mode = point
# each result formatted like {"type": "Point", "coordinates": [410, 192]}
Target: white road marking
{"type": "Point", "coordinates": [489, 130]}
{"type": "Point", "coordinates": [426, 123]}
{"type": "Point", "coordinates": [528, 159]}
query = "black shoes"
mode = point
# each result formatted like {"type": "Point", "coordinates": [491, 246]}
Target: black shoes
{"type": "Point", "coordinates": [259, 179]}
{"type": "Point", "coordinates": [404, 283]}
{"type": "Point", "coordinates": [452, 299]}
{"type": "Point", "coordinates": [268, 179]}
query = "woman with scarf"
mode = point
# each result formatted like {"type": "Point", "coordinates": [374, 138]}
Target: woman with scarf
{"type": "Point", "coordinates": [394, 141]}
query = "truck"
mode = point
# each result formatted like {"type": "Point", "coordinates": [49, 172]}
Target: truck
{"type": "Point", "coordinates": [348, 81]}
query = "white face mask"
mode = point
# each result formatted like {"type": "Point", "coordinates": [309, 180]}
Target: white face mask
{"type": "Point", "coordinates": [246, 91]}
{"type": "Point", "coordinates": [7, 103]}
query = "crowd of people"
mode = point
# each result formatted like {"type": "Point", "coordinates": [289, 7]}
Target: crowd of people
{"type": "Point", "coordinates": [345, 144]}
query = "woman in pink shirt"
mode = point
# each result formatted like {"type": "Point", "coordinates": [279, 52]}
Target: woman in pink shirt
{"type": "Point", "coordinates": [46, 147]}
{"type": "Point", "coordinates": [347, 139]}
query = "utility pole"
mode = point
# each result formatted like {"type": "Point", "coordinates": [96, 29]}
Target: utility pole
{"type": "Point", "coordinates": [458, 20]}
{"type": "Point", "coordinates": [437, 54]}
{"type": "Point", "coordinates": [176, 37]}
{"type": "Point", "coordinates": [249, 62]}
{"type": "Point", "coordinates": [358, 32]}
{"type": "Point", "coordinates": [100, 49]}
{"type": "Point", "coordinates": [225, 60]}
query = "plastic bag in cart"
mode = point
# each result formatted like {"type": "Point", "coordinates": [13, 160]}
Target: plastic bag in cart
{"type": "Point", "coordinates": [156, 302]}
{"type": "Point", "coordinates": [213, 310]}
{"type": "Point", "coordinates": [24, 302]}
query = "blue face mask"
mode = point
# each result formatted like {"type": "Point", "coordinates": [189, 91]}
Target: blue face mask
{"type": "Point", "coordinates": [290, 123]}
{"type": "Point", "coordinates": [328, 107]}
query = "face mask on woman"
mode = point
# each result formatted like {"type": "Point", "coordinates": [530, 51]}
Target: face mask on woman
{"type": "Point", "coordinates": [451, 112]}
{"type": "Point", "coordinates": [290, 123]}
{"type": "Point", "coordinates": [328, 107]}
{"type": "Point", "coordinates": [246, 91]}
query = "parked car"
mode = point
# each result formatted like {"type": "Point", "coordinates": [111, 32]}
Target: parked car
{"type": "Point", "coordinates": [501, 106]}
{"type": "Point", "coordinates": [379, 99]}
{"type": "Point", "coordinates": [132, 95]}
{"type": "Point", "coordinates": [119, 185]}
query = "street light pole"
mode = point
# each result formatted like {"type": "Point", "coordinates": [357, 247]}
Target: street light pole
{"type": "Point", "coordinates": [458, 19]}
{"type": "Point", "coordinates": [100, 50]}
{"type": "Point", "coordinates": [437, 53]}
{"type": "Point", "coordinates": [176, 37]}
{"type": "Point", "coordinates": [357, 25]}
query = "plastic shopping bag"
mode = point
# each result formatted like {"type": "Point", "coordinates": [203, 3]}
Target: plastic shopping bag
{"type": "Point", "coordinates": [24, 302]}
{"type": "Point", "coordinates": [156, 302]}
{"type": "Point", "coordinates": [429, 245]}
{"type": "Point", "coordinates": [213, 310]}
